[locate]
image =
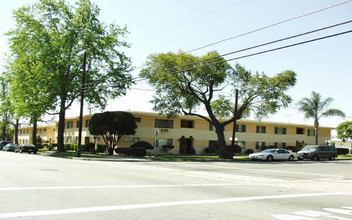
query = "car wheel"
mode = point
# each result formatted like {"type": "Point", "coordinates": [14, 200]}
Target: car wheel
{"type": "Point", "coordinates": [315, 158]}
{"type": "Point", "coordinates": [291, 158]}
{"type": "Point", "coordinates": [269, 158]}
{"type": "Point", "coordinates": [21, 151]}
{"type": "Point", "coordinates": [29, 152]}
{"type": "Point", "coordinates": [300, 158]}
{"type": "Point", "coordinates": [332, 157]}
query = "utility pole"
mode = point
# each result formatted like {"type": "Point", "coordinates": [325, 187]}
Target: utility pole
{"type": "Point", "coordinates": [79, 147]}
{"type": "Point", "coordinates": [235, 121]}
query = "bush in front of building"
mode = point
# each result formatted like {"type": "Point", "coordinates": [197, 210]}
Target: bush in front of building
{"type": "Point", "coordinates": [249, 151]}
{"type": "Point", "coordinates": [142, 144]}
{"type": "Point", "coordinates": [128, 151]}
{"type": "Point", "coordinates": [342, 151]}
{"type": "Point", "coordinates": [101, 148]}
{"type": "Point", "coordinates": [166, 148]}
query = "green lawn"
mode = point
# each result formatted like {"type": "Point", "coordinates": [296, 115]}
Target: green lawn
{"type": "Point", "coordinates": [73, 154]}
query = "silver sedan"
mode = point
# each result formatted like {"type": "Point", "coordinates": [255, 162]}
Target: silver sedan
{"type": "Point", "coordinates": [273, 154]}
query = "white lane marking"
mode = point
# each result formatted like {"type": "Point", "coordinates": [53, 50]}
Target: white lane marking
{"type": "Point", "coordinates": [116, 186]}
{"type": "Point", "coordinates": [265, 170]}
{"type": "Point", "coordinates": [230, 177]}
{"type": "Point", "coordinates": [159, 204]}
{"type": "Point", "coordinates": [311, 213]}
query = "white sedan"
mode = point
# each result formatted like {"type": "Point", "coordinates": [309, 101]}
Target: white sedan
{"type": "Point", "coordinates": [273, 154]}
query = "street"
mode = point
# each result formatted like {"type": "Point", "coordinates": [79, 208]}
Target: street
{"type": "Point", "coordinates": [38, 187]}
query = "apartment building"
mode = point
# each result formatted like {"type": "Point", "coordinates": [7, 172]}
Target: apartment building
{"type": "Point", "coordinates": [198, 134]}
{"type": "Point", "coordinates": [47, 133]}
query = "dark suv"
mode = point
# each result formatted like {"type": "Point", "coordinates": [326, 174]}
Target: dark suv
{"type": "Point", "coordinates": [316, 152]}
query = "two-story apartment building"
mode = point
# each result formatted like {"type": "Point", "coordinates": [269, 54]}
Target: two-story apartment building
{"type": "Point", "coordinates": [198, 134]}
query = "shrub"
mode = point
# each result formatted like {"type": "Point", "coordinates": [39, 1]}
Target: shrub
{"type": "Point", "coordinates": [166, 148]}
{"type": "Point", "coordinates": [342, 151]}
{"type": "Point", "coordinates": [209, 150]}
{"type": "Point", "coordinates": [235, 149]}
{"type": "Point", "coordinates": [142, 144]}
{"type": "Point", "coordinates": [71, 147]}
{"type": "Point", "coordinates": [88, 147]}
{"type": "Point", "coordinates": [136, 152]}
{"type": "Point", "coordinates": [249, 151]}
{"type": "Point", "coordinates": [101, 148]}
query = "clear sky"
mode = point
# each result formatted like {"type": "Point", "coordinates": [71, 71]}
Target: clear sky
{"type": "Point", "coordinates": [157, 26]}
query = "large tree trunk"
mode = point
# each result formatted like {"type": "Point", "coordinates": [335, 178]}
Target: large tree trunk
{"type": "Point", "coordinates": [3, 128]}
{"type": "Point", "coordinates": [16, 131]}
{"type": "Point", "coordinates": [3, 133]}
{"type": "Point", "coordinates": [34, 132]}
{"type": "Point", "coordinates": [61, 127]}
{"type": "Point", "coordinates": [224, 151]}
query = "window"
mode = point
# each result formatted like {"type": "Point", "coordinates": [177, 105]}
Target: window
{"type": "Point", "coordinates": [241, 128]}
{"type": "Point", "coordinates": [69, 124]}
{"type": "Point", "coordinates": [44, 129]}
{"type": "Point", "coordinates": [280, 130]}
{"type": "Point", "coordinates": [69, 140]}
{"type": "Point", "coordinates": [300, 130]}
{"type": "Point", "coordinates": [132, 139]}
{"type": "Point", "coordinates": [27, 131]}
{"type": "Point", "coordinates": [163, 123]}
{"type": "Point", "coordinates": [261, 129]}
{"type": "Point", "coordinates": [77, 124]}
{"type": "Point", "coordinates": [86, 140]}
{"type": "Point", "coordinates": [280, 145]}
{"type": "Point", "coordinates": [163, 141]}
{"type": "Point", "coordinates": [87, 123]}
{"type": "Point", "coordinates": [259, 145]}
{"type": "Point", "coordinates": [98, 138]}
{"type": "Point", "coordinates": [311, 132]}
{"type": "Point", "coordinates": [40, 131]}
{"type": "Point", "coordinates": [187, 124]}
{"type": "Point", "coordinates": [138, 119]}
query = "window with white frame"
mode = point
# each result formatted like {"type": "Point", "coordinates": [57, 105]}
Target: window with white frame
{"type": "Point", "coordinates": [280, 130]}
{"type": "Point", "coordinates": [240, 128]}
{"type": "Point", "coordinates": [261, 129]}
{"type": "Point", "coordinates": [163, 141]}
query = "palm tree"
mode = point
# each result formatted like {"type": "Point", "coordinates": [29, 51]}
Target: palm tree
{"type": "Point", "coordinates": [316, 107]}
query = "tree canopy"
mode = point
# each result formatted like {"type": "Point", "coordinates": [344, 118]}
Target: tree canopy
{"type": "Point", "coordinates": [344, 130]}
{"type": "Point", "coordinates": [316, 107]}
{"type": "Point", "coordinates": [112, 126]}
{"type": "Point", "coordinates": [58, 35]}
{"type": "Point", "coordinates": [187, 84]}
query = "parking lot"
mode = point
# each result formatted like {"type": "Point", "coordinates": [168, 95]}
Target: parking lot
{"type": "Point", "coordinates": [37, 187]}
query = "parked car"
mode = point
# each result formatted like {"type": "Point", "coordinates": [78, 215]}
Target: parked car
{"type": "Point", "coordinates": [3, 144]}
{"type": "Point", "coordinates": [30, 148]}
{"type": "Point", "coordinates": [10, 147]}
{"type": "Point", "coordinates": [273, 154]}
{"type": "Point", "coordinates": [317, 152]}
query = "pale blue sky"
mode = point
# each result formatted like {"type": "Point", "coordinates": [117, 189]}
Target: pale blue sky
{"type": "Point", "coordinates": [170, 25]}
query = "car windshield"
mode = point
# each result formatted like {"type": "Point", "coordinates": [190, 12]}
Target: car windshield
{"type": "Point", "coordinates": [310, 148]}
{"type": "Point", "coordinates": [268, 151]}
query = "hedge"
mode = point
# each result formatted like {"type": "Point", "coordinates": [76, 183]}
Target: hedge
{"type": "Point", "coordinates": [136, 152]}
{"type": "Point", "coordinates": [342, 151]}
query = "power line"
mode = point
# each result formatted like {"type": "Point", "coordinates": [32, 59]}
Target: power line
{"type": "Point", "coordinates": [269, 26]}
{"type": "Point", "coordinates": [266, 51]}
{"type": "Point", "coordinates": [253, 47]}
{"type": "Point", "coordinates": [264, 44]}
{"type": "Point", "coordinates": [262, 28]}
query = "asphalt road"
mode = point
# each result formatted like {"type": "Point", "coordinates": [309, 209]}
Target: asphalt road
{"type": "Point", "coordinates": [38, 187]}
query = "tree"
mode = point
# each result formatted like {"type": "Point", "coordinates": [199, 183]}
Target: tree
{"type": "Point", "coordinates": [6, 108]}
{"type": "Point", "coordinates": [112, 126]}
{"type": "Point", "coordinates": [316, 107]}
{"type": "Point", "coordinates": [64, 34]}
{"type": "Point", "coordinates": [344, 130]}
{"type": "Point", "coordinates": [186, 84]}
